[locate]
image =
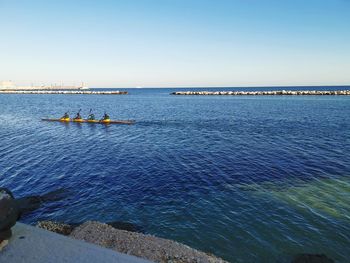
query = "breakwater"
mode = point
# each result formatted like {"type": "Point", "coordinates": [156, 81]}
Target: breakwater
{"type": "Point", "coordinates": [266, 93]}
{"type": "Point", "coordinates": [80, 92]}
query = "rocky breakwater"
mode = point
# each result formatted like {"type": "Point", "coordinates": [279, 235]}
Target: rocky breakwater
{"type": "Point", "coordinates": [266, 93]}
{"type": "Point", "coordinates": [69, 92]}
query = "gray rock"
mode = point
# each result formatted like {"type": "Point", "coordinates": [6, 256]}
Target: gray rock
{"type": "Point", "coordinates": [140, 245]}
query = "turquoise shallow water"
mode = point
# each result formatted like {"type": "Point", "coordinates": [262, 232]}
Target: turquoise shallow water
{"type": "Point", "coordinates": [246, 178]}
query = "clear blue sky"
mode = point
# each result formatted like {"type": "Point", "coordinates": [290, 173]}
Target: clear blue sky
{"type": "Point", "coordinates": [168, 43]}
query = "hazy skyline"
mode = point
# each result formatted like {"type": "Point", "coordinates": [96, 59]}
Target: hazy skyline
{"type": "Point", "coordinates": [174, 43]}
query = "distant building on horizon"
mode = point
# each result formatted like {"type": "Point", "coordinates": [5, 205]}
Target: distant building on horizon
{"type": "Point", "coordinates": [9, 85]}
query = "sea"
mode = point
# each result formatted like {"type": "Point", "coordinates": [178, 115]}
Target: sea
{"type": "Point", "coordinates": [246, 178]}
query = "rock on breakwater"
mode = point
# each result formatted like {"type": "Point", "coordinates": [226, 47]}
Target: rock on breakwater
{"type": "Point", "coordinates": [63, 92]}
{"type": "Point", "coordinates": [268, 93]}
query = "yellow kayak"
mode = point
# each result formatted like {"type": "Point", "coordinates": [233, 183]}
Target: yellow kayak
{"type": "Point", "coordinates": [105, 121]}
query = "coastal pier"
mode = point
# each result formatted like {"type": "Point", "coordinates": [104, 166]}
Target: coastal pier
{"type": "Point", "coordinates": [66, 92]}
{"type": "Point", "coordinates": [266, 93]}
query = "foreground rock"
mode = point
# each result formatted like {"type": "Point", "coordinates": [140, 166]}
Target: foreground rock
{"type": "Point", "coordinates": [34, 245]}
{"type": "Point", "coordinates": [66, 229]}
{"type": "Point", "coordinates": [268, 93]}
{"type": "Point", "coordinates": [132, 243]}
{"type": "Point", "coordinates": [140, 245]}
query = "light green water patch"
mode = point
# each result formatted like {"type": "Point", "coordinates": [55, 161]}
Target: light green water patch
{"type": "Point", "coordinates": [325, 196]}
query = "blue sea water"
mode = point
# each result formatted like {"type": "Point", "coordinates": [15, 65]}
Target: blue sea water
{"type": "Point", "coordinates": [249, 179]}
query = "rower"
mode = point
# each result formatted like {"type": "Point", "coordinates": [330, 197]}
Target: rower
{"type": "Point", "coordinates": [91, 116]}
{"type": "Point", "coordinates": [78, 116]}
{"type": "Point", "coordinates": [105, 118]}
{"type": "Point", "coordinates": [65, 116]}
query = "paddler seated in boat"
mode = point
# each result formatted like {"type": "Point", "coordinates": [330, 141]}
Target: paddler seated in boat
{"type": "Point", "coordinates": [78, 116]}
{"type": "Point", "coordinates": [105, 118]}
{"type": "Point", "coordinates": [65, 116]}
{"type": "Point", "coordinates": [91, 116]}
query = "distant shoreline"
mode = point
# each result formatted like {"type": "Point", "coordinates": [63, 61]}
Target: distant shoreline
{"type": "Point", "coordinates": [69, 92]}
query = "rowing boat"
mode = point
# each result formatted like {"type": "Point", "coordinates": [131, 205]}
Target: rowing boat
{"type": "Point", "coordinates": [91, 121]}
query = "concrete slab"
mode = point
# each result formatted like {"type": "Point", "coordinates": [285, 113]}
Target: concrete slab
{"type": "Point", "coordinates": [34, 245]}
